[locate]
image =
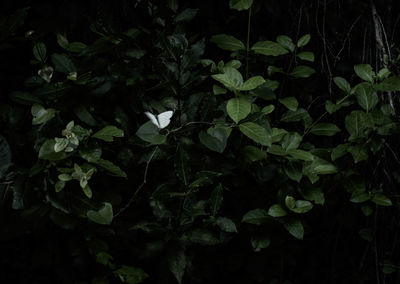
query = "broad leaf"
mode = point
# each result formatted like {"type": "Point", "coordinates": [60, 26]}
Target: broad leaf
{"type": "Point", "coordinates": [269, 48]}
{"type": "Point", "coordinates": [240, 4]}
{"type": "Point", "coordinates": [304, 40]}
{"type": "Point", "coordinates": [295, 228]}
{"type": "Point", "coordinates": [104, 216]}
{"type": "Point", "coordinates": [108, 133]}
{"type": "Point", "coordinates": [302, 71]}
{"type": "Point", "coordinates": [256, 133]}
{"type": "Point", "coordinates": [227, 42]}
{"type": "Point", "coordinates": [238, 108]}
{"type": "Point", "coordinates": [325, 129]}
{"type": "Point", "coordinates": [290, 102]}
{"type": "Point", "coordinates": [252, 83]}
{"type": "Point", "coordinates": [255, 217]}
{"type": "Point", "coordinates": [365, 72]}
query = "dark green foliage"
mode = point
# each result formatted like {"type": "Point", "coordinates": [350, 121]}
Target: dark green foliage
{"type": "Point", "coordinates": [152, 149]}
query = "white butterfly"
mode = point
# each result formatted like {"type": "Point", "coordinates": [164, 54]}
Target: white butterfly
{"type": "Point", "coordinates": [162, 120]}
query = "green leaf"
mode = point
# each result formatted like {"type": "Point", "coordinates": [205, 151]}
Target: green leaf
{"type": "Point", "coordinates": [211, 142]}
{"type": "Point", "coordinates": [360, 197]}
{"type": "Point", "coordinates": [290, 102]}
{"type": "Point", "coordinates": [331, 107]}
{"type": "Point", "coordinates": [186, 15]}
{"type": "Point", "coordinates": [231, 79]}
{"type": "Point", "coordinates": [295, 228]}
{"type": "Point", "coordinates": [39, 51]}
{"type": "Point", "coordinates": [268, 109]}
{"type": "Point", "coordinates": [41, 115]}
{"type": "Point", "coordinates": [226, 225]}
{"type": "Point", "coordinates": [255, 217]}
{"type": "Point", "coordinates": [64, 177]}
{"type": "Point", "coordinates": [228, 42]}
{"type": "Point", "coordinates": [87, 191]}
{"type": "Point", "coordinates": [277, 211]}
{"type": "Point", "coordinates": [238, 108]}
{"type": "Point", "coordinates": [293, 170]}
{"type": "Point", "coordinates": [258, 243]}
{"type": "Point", "coordinates": [269, 48]}
{"type": "Point", "coordinates": [253, 154]}
{"type": "Point", "coordinates": [359, 152]}
{"type": "Point", "coordinates": [302, 71]}
{"type": "Point", "coordinates": [365, 72]}
{"type": "Point", "coordinates": [342, 84]}
{"type": "Point", "coordinates": [150, 133]}
{"type": "Point", "coordinates": [325, 129]}
{"type": "Point", "coordinates": [302, 206]}
{"type": "Point", "coordinates": [217, 90]}
{"type": "Point", "coordinates": [240, 4]}
{"type": "Point", "coordinates": [301, 155]}
{"type": "Point", "coordinates": [389, 84]}
{"type": "Point", "coordinates": [304, 40]}
{"type": "Point", "coordinates": [63, 63]}
{"type": "Point", "coordinates": [252, 83]}
{"type": "Point", "coordinates": [339, 151]}
{"type": "Point", "coordinates": [366, 96]}
{"type": "Point", "coordinates": [277, 134]}
{"type": "Point", "coordinates": [381, 199]}
{"type": "Point", "coordinates": [291, 141]}
{"type": "Point", "coordinates": [356, 123]}
{"type": "Point", "coordinates": [256, 133]}
{"type": "Point", "coordinates": [294, 116]}
{"type": "Point", "coordinates": [286, 42]}
{"type": "Point", "coordinates": [203, 237]}
{"type": "Point", "coordinates": [177, 263]}
{"type": "Point", "coordinates": [306, 55]}
{"type": "Point", "coordinates": [82, 113]}
{"type": "Point", "coordinates": [104, 216]}
{"type": "Point", "coordinates": [47, 152]}
{"type": "Point", "coordinates": [109, 166]}
{"type": "Point", "coordinates": [290, 202]}
{"type": "Point", "coordinates": [130, 275]}
{"type": "Point", "coordinates": [108, 133]}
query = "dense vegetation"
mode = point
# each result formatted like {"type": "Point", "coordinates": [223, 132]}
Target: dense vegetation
{"type": "Point", "coordinates": [233, 141]}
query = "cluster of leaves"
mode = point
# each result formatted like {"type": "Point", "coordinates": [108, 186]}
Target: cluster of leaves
{"type": "Point", "coordinates": [244, 161]}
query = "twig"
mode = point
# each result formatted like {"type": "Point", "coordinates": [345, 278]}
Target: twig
{"type": "Point", "coordinates": [140, 186]}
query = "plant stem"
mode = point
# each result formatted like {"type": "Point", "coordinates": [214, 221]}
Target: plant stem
{"type": "Point", "coordinates": [248, 44]}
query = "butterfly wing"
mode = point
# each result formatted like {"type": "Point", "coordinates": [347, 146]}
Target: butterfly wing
{"type": "Point", "coordinates": [153, 118]}
{"type": "Point", "coordinates": [164, 118]}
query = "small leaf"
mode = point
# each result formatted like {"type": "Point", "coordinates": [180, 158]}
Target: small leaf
{"type": "Point", "coordinates": [109, 166]}
{"type": "Point", "coordinates": [226, 224]}
{"type": "Point", "coordinates": [286, 42]}
{"type": "Point", "coordinates": [306, 55]}
{"type": "Point", "coordinates": [104, 216]}
{"type": "Point", "coordinates": [325, 129]}
{"type": "Point", "coordinates": [342, 84]}
{"type": "Point", "coordinates": [302, 71]}
{"type": "Point", "coordinates": [63, 63]}
{"type": "Point", "coordinates": [256, 133]}
{"type": "Point", "coordinates": [365, 72]}
{"type": "Point", "coordinates": [238, 108]}
{"type": "Point", "coordinates": [269, 48]}
{"type": "Point", "coordinates": [293, 170]}
{"type": "Point", "coordinates": [216, 199]}
{"type": "Point", "coordinates": [268, 109]}
{"type": "Point", "coordinates": [39, 51]}
{"type": "Point", "coordinates": [107, 133]}
{"type": "Point", "coordinates": [252, 83]}
{"type": "Point", "coordinates": [41, 115]}
{"type": "Point", "coordinates": [304, 40]}
{"type": "Point", "coordinates": [211, 142]}
{"type": "Point", "coordinates": [231, 78]}
{"type": "Point", "coordinates": [360, 197]}
{"type": "Point", "coordinates": [227, 42]}
{"type": "Point", "coordinates": [240, 4]}
{"type": "Point", "coordinates": [295, 228]}
{"type": "Point", "coordinates": [290, 102]}
{"type": "Point", "coordinates": [258, 243]}
{"type": "Point", "coordinates": [381, 199]}
{"type": "Point", "coordinates": [150, 133]}
{"type": "Point", "coordinates": [186, 15]}
{"type": "Point", "coordinates": [277, 211]}
{"type": "Point", "coordinates": [291, 141]}
{"type": "Point", "coordinates": [177, 263]}
{"type": "Point", "coordinates": [389, 84]}
{"type": "Point", "coordinates": [255, 217]}
{"type": "Point", "coordinates": [366, 96]}
{"type": "Point", "coordinates": [359, 152]}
